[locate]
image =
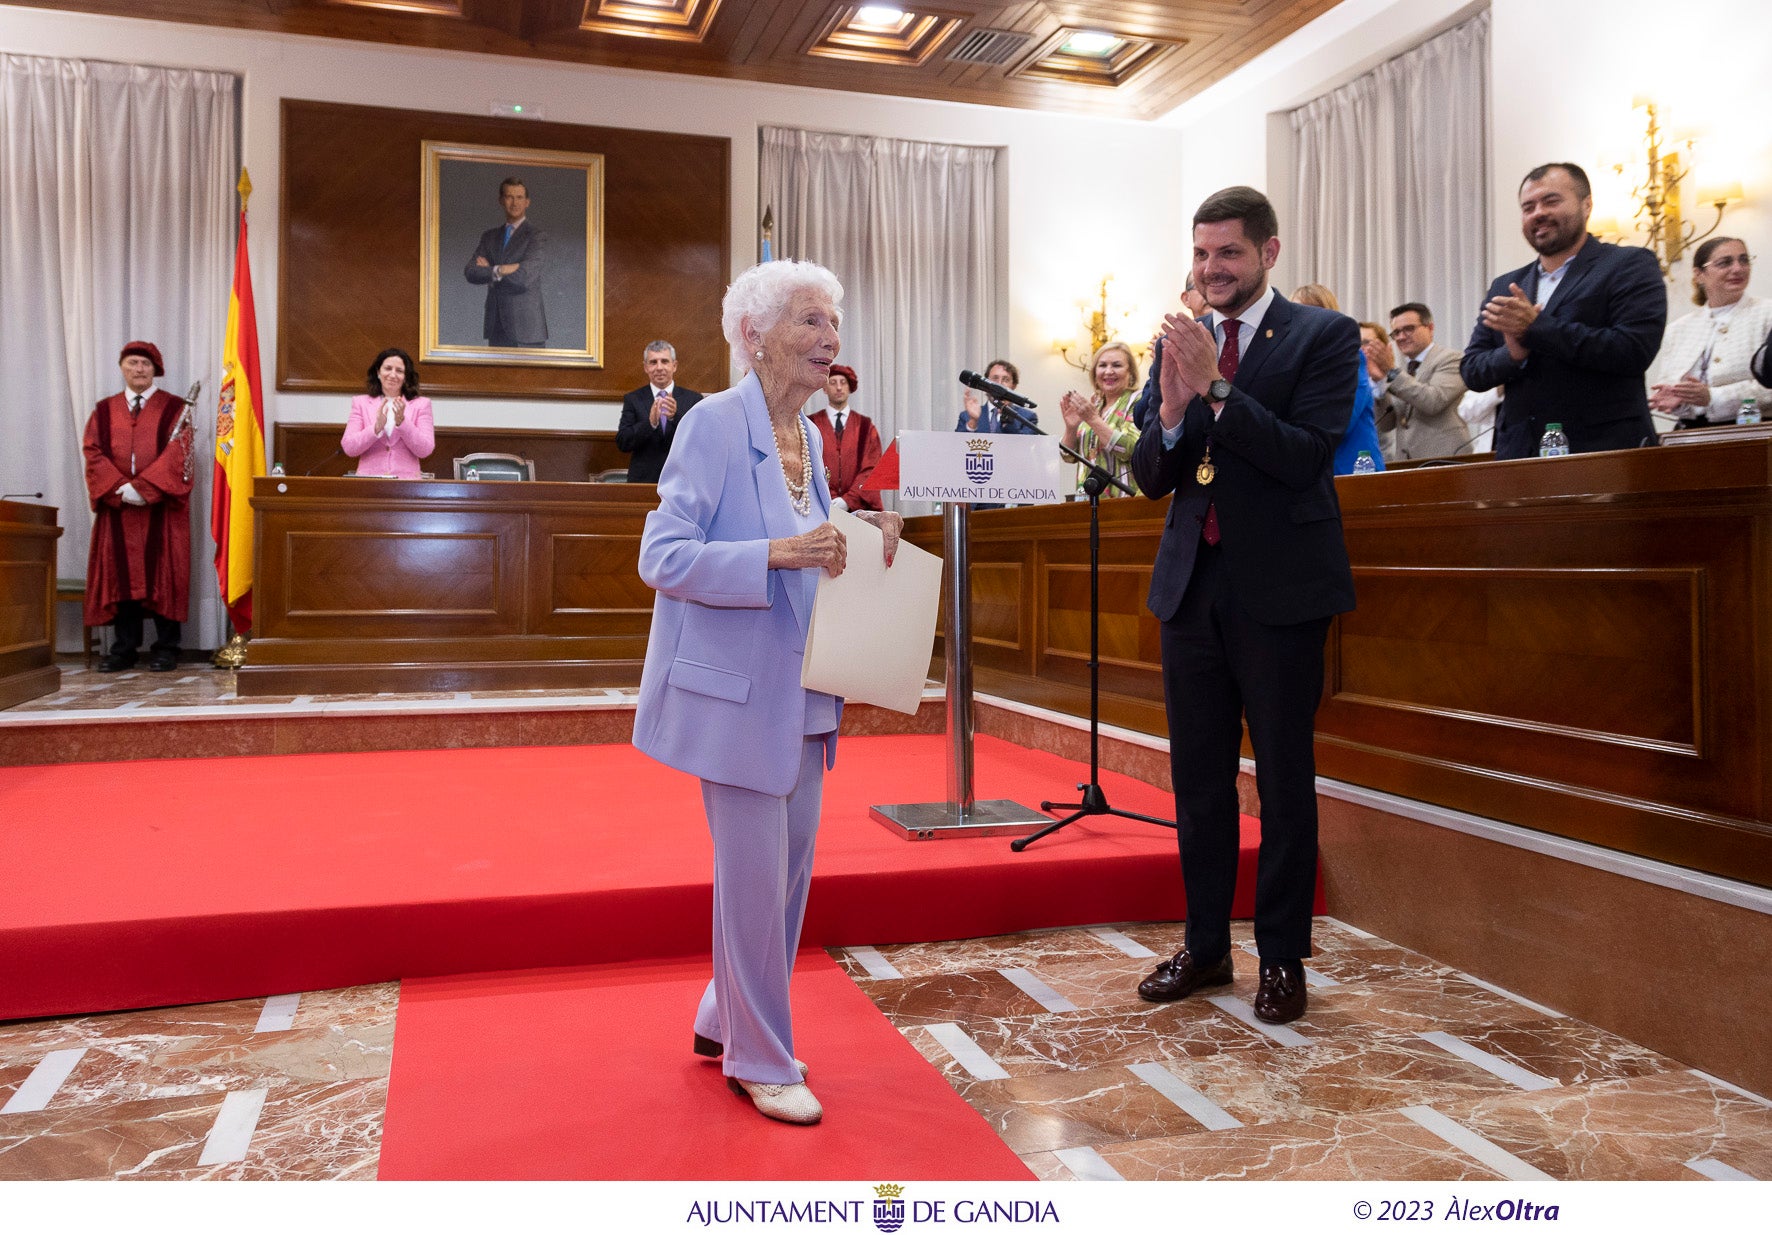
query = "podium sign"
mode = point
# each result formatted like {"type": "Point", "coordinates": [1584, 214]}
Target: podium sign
{"type": "Point", "coordinates": [999, 468]}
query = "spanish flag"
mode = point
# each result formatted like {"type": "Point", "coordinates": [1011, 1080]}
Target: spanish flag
{"type": "Point", "coordinates": [239, 438]}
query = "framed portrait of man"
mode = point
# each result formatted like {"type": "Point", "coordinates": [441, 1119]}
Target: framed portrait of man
{"type": "Point", "coordinates": [511, 256]}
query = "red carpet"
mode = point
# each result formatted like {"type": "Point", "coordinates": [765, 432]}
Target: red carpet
{"type": "Point", "coordinates": [185, 881]}
{"type": "Point", "coordinates": [587, 1074]}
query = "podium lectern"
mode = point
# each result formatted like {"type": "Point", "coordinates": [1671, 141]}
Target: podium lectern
{"type": "Point", "coordinates": [958, 470]}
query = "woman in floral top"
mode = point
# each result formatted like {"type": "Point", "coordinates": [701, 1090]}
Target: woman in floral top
{"type": "Point", "coordinates": [1100, 428]}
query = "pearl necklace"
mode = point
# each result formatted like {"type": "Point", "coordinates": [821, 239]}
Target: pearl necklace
{"type": "Point", "coordinates": [799, 495]}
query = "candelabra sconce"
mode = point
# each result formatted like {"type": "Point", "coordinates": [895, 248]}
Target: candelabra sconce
{"type": "Point", "coordinates": [1658, 219]}
{"type": "Point", "coordinates": [1095, 322]}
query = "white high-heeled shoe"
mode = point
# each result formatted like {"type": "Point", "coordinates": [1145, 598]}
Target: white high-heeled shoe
{"type": "Point", "coordinates": [792, 1104]}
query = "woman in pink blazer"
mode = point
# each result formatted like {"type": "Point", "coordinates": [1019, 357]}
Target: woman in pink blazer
{"type": "Point", "coordinates": [390, 431]}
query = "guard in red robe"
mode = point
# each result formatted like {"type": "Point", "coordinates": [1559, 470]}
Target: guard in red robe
{"type": "Point", "coordinates": [851, 443]}
{"type": "Point", "coordinates": [138, 475]}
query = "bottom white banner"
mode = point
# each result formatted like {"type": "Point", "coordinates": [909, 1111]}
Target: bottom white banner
{"type": "Point", "coordinates": [889, 1207]}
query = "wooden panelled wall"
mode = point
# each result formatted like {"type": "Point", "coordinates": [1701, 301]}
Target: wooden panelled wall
{"type": "Point", "coordinates": [391, 585]}
{"type": "Point", "coordinates": [349, 252]}
{"type": "Point", "coordinates": [1577, 646]}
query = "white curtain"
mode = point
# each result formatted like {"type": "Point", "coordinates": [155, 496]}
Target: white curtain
{"type": "Point", "coordinates": [1391, 184]}
{"type": "Point", "coordinates": [910, 230]}
{"type": "Point", "coordinates": [116, 223]}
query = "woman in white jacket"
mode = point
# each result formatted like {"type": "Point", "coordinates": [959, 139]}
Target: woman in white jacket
{"type": "Point", "coordinates": [1701, 373]}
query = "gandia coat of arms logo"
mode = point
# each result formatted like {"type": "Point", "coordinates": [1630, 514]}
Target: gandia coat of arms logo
{"type": "Point", "coordinates": [888, 1207]}
{"type": "Point", "coordinates": [979, 461]}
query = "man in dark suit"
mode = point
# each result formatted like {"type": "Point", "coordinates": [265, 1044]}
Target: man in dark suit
{"type": "Point", "coordinates": [1247, 406]}
{"type": "Point", "coordinates": [1571, 334]}
{"type": "Point", "coordinates": [650, 414]}
{"type": "Point", "coordinates": [510, 261]}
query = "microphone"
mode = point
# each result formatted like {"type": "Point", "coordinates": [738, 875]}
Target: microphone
{"type": "Point", "coordinates": [6, 496]}
{"type": "Point", "coordinates": [1000, 393]}
{"type": "Point", "coordinates": [328, 459]}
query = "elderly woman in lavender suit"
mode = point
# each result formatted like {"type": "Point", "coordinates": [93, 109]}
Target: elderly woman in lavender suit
{"type": "Point", "coordinates": [734, 550]}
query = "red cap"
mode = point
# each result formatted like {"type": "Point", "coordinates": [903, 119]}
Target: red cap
{"type": "Point", "coordinates": [147, 351]}
{"type": "Point", "coordinates": [848, 375]}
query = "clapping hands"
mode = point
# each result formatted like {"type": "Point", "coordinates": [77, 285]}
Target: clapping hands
{"type": "Point", "coordinates": [395, 407]}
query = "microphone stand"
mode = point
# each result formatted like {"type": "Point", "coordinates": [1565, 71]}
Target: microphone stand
{"type": "Point", "coordinates": [1094, 800]}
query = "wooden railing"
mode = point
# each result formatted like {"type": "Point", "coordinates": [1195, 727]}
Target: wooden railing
{"type": "Point", "coordinates": [1582, 646]}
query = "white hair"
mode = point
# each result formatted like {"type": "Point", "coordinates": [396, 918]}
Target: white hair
{"type": "Point", "coordinates": [760, 296]}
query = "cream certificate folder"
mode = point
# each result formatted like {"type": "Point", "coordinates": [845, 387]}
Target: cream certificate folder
{"type": "Point", "coordinates": [873, 629]}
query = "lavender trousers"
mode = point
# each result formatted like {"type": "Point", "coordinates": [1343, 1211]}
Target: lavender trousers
{"type": "Point", "coordinates": [762, 871]}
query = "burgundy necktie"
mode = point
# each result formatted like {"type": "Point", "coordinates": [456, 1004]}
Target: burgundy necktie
{"type": "Point", "coordinates": [1228, 358]}
{"type": "Point", "coordinates": [1413, 366]}
{"type": "Point", "coordinates": [1227, 369]}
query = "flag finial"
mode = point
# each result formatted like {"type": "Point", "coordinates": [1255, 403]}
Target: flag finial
{"type": "Point", "coordinates": [243, 187]}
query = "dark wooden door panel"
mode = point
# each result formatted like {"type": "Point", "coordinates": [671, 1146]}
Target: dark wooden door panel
{"type": "Point", "coordinates": [1605, 655]}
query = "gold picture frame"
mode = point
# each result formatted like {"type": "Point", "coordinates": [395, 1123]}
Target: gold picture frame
{"type": "Point", "coordinates": [470, 320]}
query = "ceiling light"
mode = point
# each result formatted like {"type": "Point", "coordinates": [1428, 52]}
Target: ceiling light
{"type": "Point", "coordinates": [879, 16]}
{"type": "Point", "coordinates": [1090, 44]}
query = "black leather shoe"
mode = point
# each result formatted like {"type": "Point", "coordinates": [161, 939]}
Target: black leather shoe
{"type": "Point", "coordinates": [1281, 997]}
{"type": "Point", "coordinates": [163, 662]}
{"type": "Point", "coordinates": [1180, 976]}
{"type": "Point", "coordinates": [116, 662]}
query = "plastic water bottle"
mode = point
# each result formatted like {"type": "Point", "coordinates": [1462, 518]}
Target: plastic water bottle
{"type": "Point", "coordinates": [1364, 464]}
{"type": "Point", "coordinates": [1555, 443]}
{"type": "Point", "coordinates": [277, 469]}
{"type": "Point", "coordinates": [1750, 411]}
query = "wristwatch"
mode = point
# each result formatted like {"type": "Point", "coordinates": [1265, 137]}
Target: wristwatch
{"type": "Point", "coordinates": [1218, 391]}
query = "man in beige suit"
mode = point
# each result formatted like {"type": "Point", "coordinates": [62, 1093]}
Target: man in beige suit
{"type": "Point", "coordinates": [1417, 409]}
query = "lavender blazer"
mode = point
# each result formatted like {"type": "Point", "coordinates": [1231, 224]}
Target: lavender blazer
{"type": "Point", "coordinates": [402, 451]}
{"type": "Point", "coordinates": [720, 696]}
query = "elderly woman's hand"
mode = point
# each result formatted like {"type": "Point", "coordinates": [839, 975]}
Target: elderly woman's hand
{"type": "Point", "coordinates": [822, 546]}
{"type": "Point", "coordinates": [891, 525]}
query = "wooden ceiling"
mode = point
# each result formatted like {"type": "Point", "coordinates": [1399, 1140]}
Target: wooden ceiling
{"type": "Point", "coordinates": [1171, 49]}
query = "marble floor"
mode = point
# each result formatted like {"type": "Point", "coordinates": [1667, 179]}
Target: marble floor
{"type": "Point", "coordinates": [290, 1087]}
{"type": "Point", "coordinates": [1402, 1070]}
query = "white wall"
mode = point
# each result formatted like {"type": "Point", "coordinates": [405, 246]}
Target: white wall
{"type": "Point", "coordinates": [1570, 98]}
{"type": "Point", "coordinates": [1072, 213]}
{"type": "Point", "coordinates": [1563, 74]}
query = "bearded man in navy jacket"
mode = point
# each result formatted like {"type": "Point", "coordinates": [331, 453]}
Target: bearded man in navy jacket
{"type": "Point", "coordinates": [1571, 334]}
